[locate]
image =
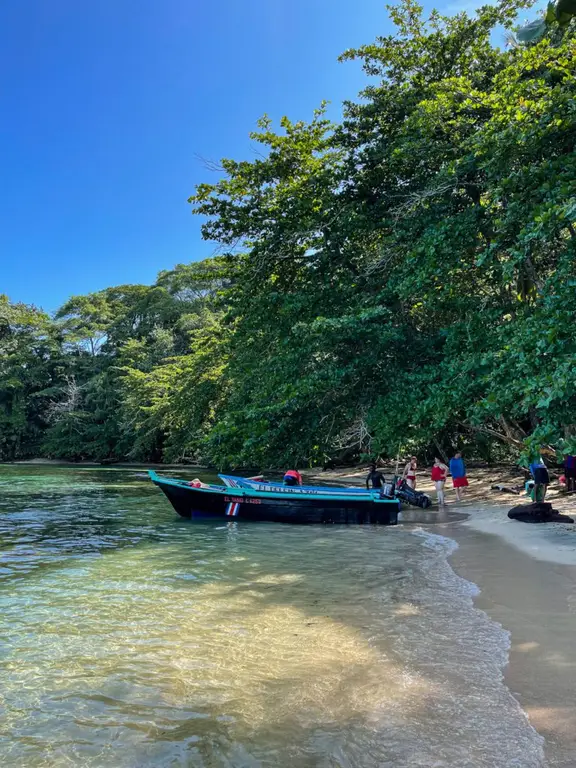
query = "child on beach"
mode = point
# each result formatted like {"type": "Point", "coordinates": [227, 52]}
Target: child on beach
{"type": "Point", "coordinates": [458, 472]}
{"type": "Point", "coordinates": [439, 472]}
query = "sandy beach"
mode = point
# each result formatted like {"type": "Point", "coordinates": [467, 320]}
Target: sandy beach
{"type": "Point", "coordinates": [535, 601]}
{"type": "Point", "coordinates": [526, 575]}
{"type": "Point", "coordinates": [527, 579]}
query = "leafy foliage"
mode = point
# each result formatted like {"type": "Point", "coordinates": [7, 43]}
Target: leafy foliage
{"type": "Point", "coordinates": [402, 280]}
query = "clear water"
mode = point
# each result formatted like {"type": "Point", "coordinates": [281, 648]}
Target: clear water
{"type": "Point", "coordinates": [131, 638]}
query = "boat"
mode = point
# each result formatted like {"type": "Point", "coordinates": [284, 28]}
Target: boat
{"type": "Point", "coordinates": [281, 504]}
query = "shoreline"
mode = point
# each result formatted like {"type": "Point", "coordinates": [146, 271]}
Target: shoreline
{"type": "Point", "coordinates": [535, 601]}
{"type": "Point", "coordinates": [526, 577]}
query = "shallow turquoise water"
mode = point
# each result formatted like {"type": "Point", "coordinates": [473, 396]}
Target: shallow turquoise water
{"type": "Point", "coordinates": [131, 638]}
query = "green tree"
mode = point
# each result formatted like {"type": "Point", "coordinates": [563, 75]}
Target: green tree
{"type": "Point", "coordinates": [402, 279]}
{"type": "Point", "coordinates": [31, 370]}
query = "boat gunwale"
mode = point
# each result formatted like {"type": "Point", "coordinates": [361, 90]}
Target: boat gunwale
{"type": "Point", "coordinates": [331, 489]}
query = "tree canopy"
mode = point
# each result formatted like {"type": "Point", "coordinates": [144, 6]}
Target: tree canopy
{"type": "Point", "coordinates": [401, 280]}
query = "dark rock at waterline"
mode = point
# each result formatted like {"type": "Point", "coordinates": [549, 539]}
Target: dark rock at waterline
{"type": "Point", "coordinates": [538, 512]}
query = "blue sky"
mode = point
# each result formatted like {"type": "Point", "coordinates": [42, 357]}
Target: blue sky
{"type": "Point", "coordinates": [104, 106]}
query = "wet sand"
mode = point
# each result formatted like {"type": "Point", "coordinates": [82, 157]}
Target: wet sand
{"type": "Point", "coordinates": [527, 580]}
{"type": "Point", "coordinates": [536, 602]}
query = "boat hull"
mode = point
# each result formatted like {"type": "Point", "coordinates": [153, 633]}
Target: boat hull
{"type": "Point", "coordinates": [281, 507]}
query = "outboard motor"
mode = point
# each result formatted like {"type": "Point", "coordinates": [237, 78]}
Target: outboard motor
{"type": "Point", "coordinates": [410, 496]}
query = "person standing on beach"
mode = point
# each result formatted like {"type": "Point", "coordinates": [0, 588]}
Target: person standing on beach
{"type": "Point", "coordinates": [439, 472]}
{"type": "Point", "coordinates": [458, 472]}
{"type": "Point", "coordinates": [409, 473]}
{"type": "Point", "coordinates": [375, 479]}
{"type": "Point", "coordinates": [539, 472]}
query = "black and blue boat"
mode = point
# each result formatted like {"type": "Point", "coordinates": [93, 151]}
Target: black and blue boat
{"type": "Point", "coordinates": [279, 504]}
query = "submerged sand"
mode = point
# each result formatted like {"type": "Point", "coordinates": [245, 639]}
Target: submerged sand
{"type": "Point", "coordinates": [526, 574]}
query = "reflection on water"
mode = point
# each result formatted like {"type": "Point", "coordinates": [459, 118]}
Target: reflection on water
{"type": "Point", "coordinates": [131, 638]}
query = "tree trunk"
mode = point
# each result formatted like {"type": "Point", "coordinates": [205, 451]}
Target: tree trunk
{"type": "Point", "coordinates": [441, 451]}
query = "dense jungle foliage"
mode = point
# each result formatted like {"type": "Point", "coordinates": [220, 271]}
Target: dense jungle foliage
{"type": "Point", "coordinates": [404, 280]}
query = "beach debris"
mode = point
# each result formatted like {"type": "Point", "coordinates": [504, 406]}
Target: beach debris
{"type": "Point", "coordinates": [515, 489]}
